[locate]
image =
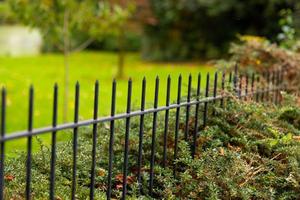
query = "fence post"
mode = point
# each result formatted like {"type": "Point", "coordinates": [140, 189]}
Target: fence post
{"type": "Point", "coordinates": [263, 89]}
{"type": "Point", "coordinates": [166, 121]}
{"type": "Point", "coordinates": [268, 86]}
{"type": "Point", "coordinates": [127, 132]}
{"type": "Point", "coordinates": [95, 116]}
{"type": "Point", "coordinates": [53, 144]}
{"type": "Point", "coordinates": [215, 90]}
{"type": "Point", "coordinates": [29, 145]}
{"type": "Point", "coordinates": [252, 85]}
{"type": "Point", "coordinates": [187, 116]}
{"type": "Point", "coordinates": [153, 135]}
{"type": "Point", "coordinates": [194, 146]}
{"type": "Point", "coordinates": [111, 139]}
{"type": "Point", "coordinates": [277, 85]}
{"type": "Point", "coordinates": [177, 124]}
{"type": "Point", "coordinates": [273, 88]}
{"type": "Point", "coordinates": [257, 89]}
{"type": "Point", "coordinates": [75, 142]}
{"type": "Point", "coordinates": [206, 103]}
{"type": "Point", "coordinates": [235, 79]}
{"type": "Point", "coordinates": [223, 89]}
{"type": "Point", "coordinates": [2, 145]}
{"type": "Point", "coordinates": [246, 86]}
{"type": "Point", "coordinates": [141, 134]}
{"type": "Point", "coordinates": [240, 86]}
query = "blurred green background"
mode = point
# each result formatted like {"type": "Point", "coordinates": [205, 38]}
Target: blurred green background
{"type": "Point", "coordinates": [47, 41]}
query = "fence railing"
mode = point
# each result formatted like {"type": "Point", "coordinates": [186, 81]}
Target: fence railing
{"type": "Point", "coordinates": [258, 87]}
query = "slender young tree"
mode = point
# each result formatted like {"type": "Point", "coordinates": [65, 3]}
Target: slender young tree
{"type": "Point", "coordinates": [70, 25]}
{"type": "Point", "coordinates": [119, 14]}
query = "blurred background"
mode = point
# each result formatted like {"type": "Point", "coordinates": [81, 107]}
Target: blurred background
{"type": "Point", "coordinates": [48, 41]}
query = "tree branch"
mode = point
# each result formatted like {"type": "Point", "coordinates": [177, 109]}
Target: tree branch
{"type": "Point", "coordinates": [83, 45]}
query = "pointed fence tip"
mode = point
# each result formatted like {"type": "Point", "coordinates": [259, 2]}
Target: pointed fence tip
{"type": "Point", "coordinates": [31, 87]}
{"type": "Point", "coordinates": [3, 89]}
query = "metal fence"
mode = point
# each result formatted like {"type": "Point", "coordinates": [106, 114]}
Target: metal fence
{"type": "Point", "coordinates": [258, 87]}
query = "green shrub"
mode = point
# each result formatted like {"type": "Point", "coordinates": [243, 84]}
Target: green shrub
{"type": "Point", "coordinates": [247, 151]}
{"type": "Point", "coordinates": [258, 54]}
{"type": "Point", "coordinates": [6, 15]}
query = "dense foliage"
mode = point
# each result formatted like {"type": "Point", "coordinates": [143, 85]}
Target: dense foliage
{"type": "Point", "coordinates": [72, 20]}
{"type": "Point", "coordinates": [6, 15]}
{"type": "Point", "coordinates": [257, 54]}
{"type": "Point", "coordinates": [191, 29]}
{"type": "Point", "coordinates": [110, 42]}
{"type": "Point", "coordinates": [247, 151]}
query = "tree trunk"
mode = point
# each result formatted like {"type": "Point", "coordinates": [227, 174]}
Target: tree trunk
{"type": "Point", "coordinates": [121, 54]}
{"type": "Point", "coordinates": [66, 67]}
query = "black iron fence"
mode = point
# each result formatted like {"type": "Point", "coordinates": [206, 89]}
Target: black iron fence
{"type": "Point", "coordinates": [258, 87]}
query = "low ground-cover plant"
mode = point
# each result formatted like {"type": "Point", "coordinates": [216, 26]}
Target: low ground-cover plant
{"type": "Point", "coordinates": [247, 151]}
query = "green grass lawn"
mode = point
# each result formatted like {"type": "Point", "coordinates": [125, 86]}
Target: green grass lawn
{"type": "Point", "coordinates": [17, 74]}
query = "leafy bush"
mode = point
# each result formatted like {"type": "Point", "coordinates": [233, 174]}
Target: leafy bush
{"type": "Point", "coordinates": [257, 54]}
{"type": "Point", "coordinates": [6, 15]}
{"type": "Point", "coordinates": [247, 151]}
{"type": "Point", "coordinates": [192, 29]}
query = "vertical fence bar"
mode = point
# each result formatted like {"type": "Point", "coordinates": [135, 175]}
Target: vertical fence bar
{"type": "Point", "coordinates": [95, 116]}
{"type": "Point", "coordinates": [206, 103]}
{"type": "Point", "coordinates": [257, 89]}
{"type": "Point", "coordinates": [223, 89]}
{"type": "Point", "coordinates": [29, 145]}
{"type": "Point", "coordinates": [230, 78]}
{"type": "Point", "coordinates": [141, 134]}
{"type": "Point", "coordinates": [53, 144]}
{"type": "Point", "coordinates": [246, 86]}
{"type": "Point", "coordinates": [240, 86]}
{"type": "Point", "coordinates": [273, 88]}
{"type": "Point", "coordinates": [230, 81]}
{"type": "Point", "coordinates": [194, 147]}
{"type": "Point", "coordinates": [235, 79]}
{"type": "Point", "coordinates": [2, 145]}
{"type": "Point", "coordinates": [166, 121]}
{"type": "Point", "coordinates": [263, 87]}
{"type": "Point", "coordinates": [215, 90]}
{"type": "Point", "coordinates": [282, 84]}
{"type": "Point", "coordinates": [111, 140]}
{"type": "Point", "coordinates": [281, 80]}
{"type": "Point", "coordinates": [127, 132]}
{"type": "Point", "coordinates": [75, 142]}
{"type": "Point", "coordinates": [177, 124]}
{"type": "Point", "coordinates": [153, 136]}
{"type": "Point", "coordinates": [268, 86]}
{"type": "Point", "coordinates": [252, 85]}
{"type": "Point", "coordinates": [277, 83]}
{"type": "Point", "coordinates": [187, 116]}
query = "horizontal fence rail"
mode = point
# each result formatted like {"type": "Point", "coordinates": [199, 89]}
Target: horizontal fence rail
{"type": "Point", "coordinates": [257, 87]}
